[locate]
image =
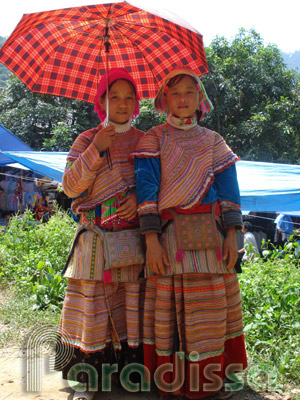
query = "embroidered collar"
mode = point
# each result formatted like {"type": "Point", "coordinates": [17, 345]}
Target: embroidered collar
{"type": "Point", "coordinates": [121, 128]}
{"type": "Point", "coordinates": [181, 123]}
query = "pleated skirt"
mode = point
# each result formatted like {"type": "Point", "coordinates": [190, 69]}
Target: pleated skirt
{"type": "Point", "coordinates": [100, 323]}
{"type": "Point", "coordinates": [193, 325]}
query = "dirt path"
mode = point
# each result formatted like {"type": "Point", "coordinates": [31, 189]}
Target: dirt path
{"type": "Point", "coordinates": [13, 385]}
{"type": "Point", "coordinates": [13, 379]}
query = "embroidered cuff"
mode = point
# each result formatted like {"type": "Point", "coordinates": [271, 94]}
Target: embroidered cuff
{"type": "Point", "coordinates": [148, 207]}
{"type": "Point", "coordinates": [150, 223]}
{"type": "Point", "coordinates": [232, 217]}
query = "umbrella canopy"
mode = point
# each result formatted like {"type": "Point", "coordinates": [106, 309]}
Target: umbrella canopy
{"type": "Point", "coordinates": [63, 52]}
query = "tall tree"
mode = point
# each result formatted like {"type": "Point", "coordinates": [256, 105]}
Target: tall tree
{"type": "Point", "coordinates": [256, 98]}
{"type": "Point", "coordinates": [37, 118]}
{"type": "Point", "coordinates": [4, 72]}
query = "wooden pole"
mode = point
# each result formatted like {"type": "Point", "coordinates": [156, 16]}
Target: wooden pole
{"type": "Point", "coordinates": [21, 193]}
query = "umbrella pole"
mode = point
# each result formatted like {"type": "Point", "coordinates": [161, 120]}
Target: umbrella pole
{"type": "Point", "coordinates": [106, 44]}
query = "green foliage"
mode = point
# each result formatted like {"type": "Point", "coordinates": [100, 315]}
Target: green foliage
{"type": "Point", "coordinates": [33, 255]}
{"type": "Point", "coordinates": [256, 98]}
{"type": "Point", "coordinates": [47, 286]}
{"type": "Point", "coordinates": [4, 72]}
{"type": "Point", "coordinates": [271, 305]}
{"type": "Point", "coordinates": [61, 138]}
{"type": "Point", "coordinates": [148, 117]}
{"type": "Point", "coordinates": [19, 314]}
{"type": "Point", "coordinates": [42, 121]}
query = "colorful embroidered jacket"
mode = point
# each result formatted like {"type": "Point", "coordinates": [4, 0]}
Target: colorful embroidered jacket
{"type": "Point", "coordinates": [177, 168]}
{"type": "Point", "coordinates": [88, 178]}
{"type": "Point", "coordinates": [94, 186]}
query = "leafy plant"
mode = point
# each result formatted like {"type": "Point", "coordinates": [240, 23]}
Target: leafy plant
{"type": "Point", "coordinates": [33, 255]}
{"type": "Point", "coordinates": [48, 287]}
{"type": "Point", "coordinates": [271, 305]}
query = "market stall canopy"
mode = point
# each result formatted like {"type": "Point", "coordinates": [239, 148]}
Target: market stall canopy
{"type": "Point", "coordinates": [264, 186]}
{"type": "Point", "coordinates": [49, 164]}
{"type": "Point", "coordinates": [269, 186]}
{"type": "Point", "coordinates": [10, 142]}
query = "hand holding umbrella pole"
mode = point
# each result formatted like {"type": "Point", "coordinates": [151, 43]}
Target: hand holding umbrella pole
{"type": "Point", "coordinates": [106, 45]}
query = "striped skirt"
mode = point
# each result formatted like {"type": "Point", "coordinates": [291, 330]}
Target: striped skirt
{"type": "Point", "coordinates": [194, 323]}
{"type": "Point", "coordinates": [100, 323]}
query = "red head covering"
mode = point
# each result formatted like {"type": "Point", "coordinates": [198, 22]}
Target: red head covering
{"type": "Point", "coordinates": [113, 75]}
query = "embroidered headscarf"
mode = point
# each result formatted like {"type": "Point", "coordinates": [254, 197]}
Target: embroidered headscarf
{"type": "Point", "coordinates": [159, 103]}
{"type": "Point", "coordinates": [113, 75]}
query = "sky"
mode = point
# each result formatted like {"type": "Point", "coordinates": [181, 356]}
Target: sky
{"type": "Point", "coordinates": [276, 21]}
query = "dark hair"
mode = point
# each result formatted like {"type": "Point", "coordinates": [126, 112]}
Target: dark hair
{"type": "Point", "coordinates": [247, 225]}
{"type": "Point", "coordinates": [121, 79]}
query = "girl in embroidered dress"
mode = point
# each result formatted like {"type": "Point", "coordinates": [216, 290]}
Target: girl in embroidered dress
{"type": "Point", "coordinates": [100, 321]}
{"type": "Point", "coordinates": [189, 210]}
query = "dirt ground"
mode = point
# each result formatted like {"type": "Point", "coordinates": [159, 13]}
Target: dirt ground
{"type": "Point", "coordinates": [13, 380]}
{"type": "Point", "coordinates": [13, 384]}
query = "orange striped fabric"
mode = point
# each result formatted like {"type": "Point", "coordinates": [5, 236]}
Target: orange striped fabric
{"type": "Point", "coordinates": [189, 160]}
{"type": "Point", "coordinates": [87, 174]}
{"type": "Point", "coordinates": [95, 314]}
{"type": "Point", "coordinates": [207, 310]}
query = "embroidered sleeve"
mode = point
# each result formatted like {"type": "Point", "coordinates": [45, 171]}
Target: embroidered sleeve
{"type": "Point", "coordinates": [227, 187]}
{"type": "Point", "coordinates": [82, 163]}
{"type": "Point", "coordinates": [147, 174]}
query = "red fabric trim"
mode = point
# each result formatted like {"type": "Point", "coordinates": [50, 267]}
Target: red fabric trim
{"type": "Point", "coordinates": [234, 353]}
{"type": "Point", "coordinates": [229, 164]}
{"type": "Point", "coordinates": [197, 209]}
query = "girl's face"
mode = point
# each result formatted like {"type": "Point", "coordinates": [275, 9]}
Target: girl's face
{"type": "Point", "coordinates": [183, 98]}
{"type": "Point", "coordinates": [121, 101]}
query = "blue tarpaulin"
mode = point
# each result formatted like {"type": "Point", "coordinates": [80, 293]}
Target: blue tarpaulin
{"type": "Point", "coordinates": [10, 142]}
{"type": "Point", "coordinates": [50, 164]}
{"type": "Point", "coordinates": [263, 186]}
{"type": "Point", "coordinates": [269, 186]}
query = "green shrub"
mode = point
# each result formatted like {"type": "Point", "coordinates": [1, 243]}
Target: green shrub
{"type": "Point", "coordinates": [33, 255]}
{"type": "Point", "coordinates": [271, 307]}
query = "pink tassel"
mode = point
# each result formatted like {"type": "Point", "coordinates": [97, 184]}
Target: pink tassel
{"type": "Point", "coordinates": [219, 253]}
{"type": "Point", "coordinates": [179, 255]}
{"type": "Point", "coordinates": [107, 276]}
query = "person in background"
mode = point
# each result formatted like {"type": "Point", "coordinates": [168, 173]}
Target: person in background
{"type": "Point", "coordinates": [39, 210]}
{"type": "Point", "coordinates": [250, 248]}
{"type": "Point", "coordinates": [50, 212]}
{"type": "Point", "coordinates": [45, 200]}
{"type": "Point", "coordinates": [6, 217]}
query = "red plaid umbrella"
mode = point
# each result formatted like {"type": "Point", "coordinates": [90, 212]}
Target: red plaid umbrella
{"type": "Point", "coordinates": [63, 52]}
